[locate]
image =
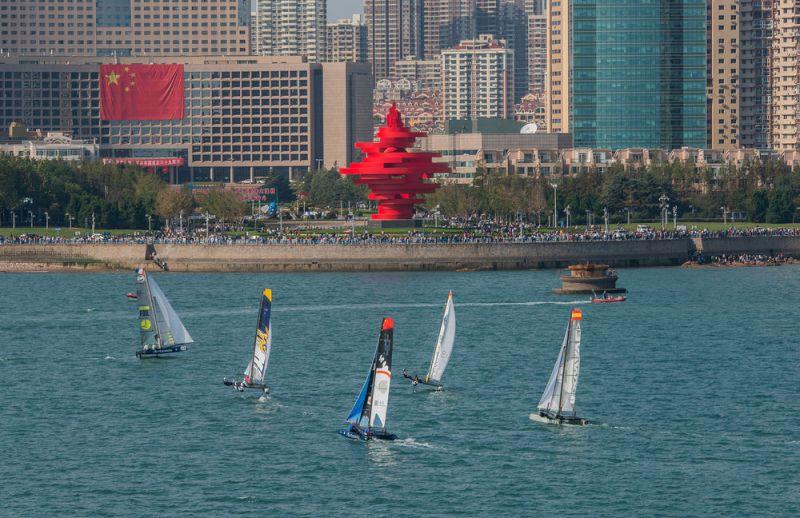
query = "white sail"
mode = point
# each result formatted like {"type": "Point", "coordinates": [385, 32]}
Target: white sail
{"type": "Point", "coordinates": [559, 394]}
{"type": "Point", "coordinates": [168, 322]}
{"type": "Point", "coordinates": [444, 344]}
{"type": "Point", "coordinates": [262, 346]}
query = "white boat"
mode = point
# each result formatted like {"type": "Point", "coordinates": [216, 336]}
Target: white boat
{"type": "Point", "coordinates": [367, 418]}
{"type": "Point", "coordinates": [443, 349]}
{"type": "Point", "coordinates": [557, 404]}
{"type": "Point", "coordinates": [161, 331]}
{"type": "Point", "coordinates": [262, 346]}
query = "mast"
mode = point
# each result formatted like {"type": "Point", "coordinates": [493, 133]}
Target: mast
{"type": "Point", "coordinates": [564, 368]}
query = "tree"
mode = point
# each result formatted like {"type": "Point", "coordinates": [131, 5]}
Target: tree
{"type": "Point", "coordinates": [224, 204]}
{"type": "Point", "coordinates": [171, 202]}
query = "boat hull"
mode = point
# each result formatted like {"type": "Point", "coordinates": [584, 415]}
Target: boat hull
{"type": "Point", "coordinates": [609, 300]}
{"type": "Point", "coordinates": [353, 431]}
{"type": "Point", "coordinates": [558, 420]}
{"type": "Point", "coordinates": [241, 386]}
{"type": "Point", "coordinates": [155, 353]}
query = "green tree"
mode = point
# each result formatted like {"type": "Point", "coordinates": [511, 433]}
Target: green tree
{"type": "Point", "coordinates": [224, 204]}
{"type": "Point", "coordinates": [171, 202]}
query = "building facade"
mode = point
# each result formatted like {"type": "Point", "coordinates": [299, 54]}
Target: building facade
{"type": "Point", "coordinates": [784, 67]}
{"type": "Point", "coordinates": [293, 28]}
{"type": "Point", "coordinates": [125, 27]}
{"type": "Point", "coordinates": [446, 23]}
{"type": "Point", "coordinates": [755, 35]}
{"type": "Point", "coordinates": [424, 74]}
{"type": "Point", "coordinates": [242, 116]}
{"type": "Point", "coordinates": [394, 32]}
{"type": "Point", "coordinates": [537, 53]}
{"type": "Point", "coordinates": [557, 78]}
{"type": "Point", "coordinates": [478, 80]}
{"type": "Point", "coordinates": [347, 40]}
{"type": "Point", "coordinates": [723, 73]}
{"type": "Point", "coordinates": [638, 73]}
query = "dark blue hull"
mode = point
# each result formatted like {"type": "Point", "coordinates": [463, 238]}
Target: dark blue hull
{"type": "Point", "coordinates": [155, 353]}
{"type": "Point", "coordinates": [353, 431]}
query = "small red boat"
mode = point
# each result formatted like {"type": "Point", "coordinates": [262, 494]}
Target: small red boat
{"type": "Point", "coordinates": [607, 300]}
{"type": "Point", "coordinates": [132, 296]}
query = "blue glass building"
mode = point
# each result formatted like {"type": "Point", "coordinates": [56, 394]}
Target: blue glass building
{"type": "Point", "coordinates": [638, 73]}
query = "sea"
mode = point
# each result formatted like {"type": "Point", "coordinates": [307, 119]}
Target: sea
{"type": "Point", "coordinates": [691, 386]}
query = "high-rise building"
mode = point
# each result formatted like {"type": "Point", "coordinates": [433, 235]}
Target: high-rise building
{"type": "Point", "coordinates": [638, 73]}
{"type": "Point", "coordinates": [478, 80]}
{"type": "Point", "coordinates": [394, 31]}
{"type": "Point", "coordinates": [722, 77]}
{"type": "Point", "coordinates": [255, 35]}
{"type": "Point", "coordinates": [754, 82]}
{"type": "Point", "coordinates": [557, 78]}
{"type": "Point", "coordinates": [425, 74]}
{"type": "Point", "coordinates": [241, 116]}
{"type": "Point", "coordinates": [784, 66]}
{"type": "Point", "coordinates": [446, 23]}
{"type": "Point", "coordinates": [347, 40]}
{"type": "Point", "coordinates": [293, 28]}
{"type": "Point", "coordinates": [507, 20]}
{"type": "Point", "coordinates": [125, 27]}
{"type": "Point", "coordinates": [537, 52]}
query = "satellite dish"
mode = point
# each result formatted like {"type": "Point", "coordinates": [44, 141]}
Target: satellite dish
{"type": "Point", "coordinates": [529, 129]}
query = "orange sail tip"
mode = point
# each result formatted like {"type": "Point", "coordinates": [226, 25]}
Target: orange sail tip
{"type": "Point", "coordinates": [388, 323]}
{"type": "Point", "coordinates": [577, 314]}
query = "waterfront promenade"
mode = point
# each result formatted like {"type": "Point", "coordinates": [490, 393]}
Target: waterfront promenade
{"type": "Point", "coordinates": [388, 256]}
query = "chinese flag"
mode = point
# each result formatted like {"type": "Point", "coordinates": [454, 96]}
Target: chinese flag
{"type": "Point", "coordinates": [141, 92]}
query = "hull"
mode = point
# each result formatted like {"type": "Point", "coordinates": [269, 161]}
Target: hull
{"type": "Point", "coordinates": [353, 431]}
{"type": "Point", "coordinates": [558, 420]}
{"type": "Point", "coordinates": [241, 386]}
{"type": "Point", "coordinates": [608, 300]}
{"type": "Point", "coordinates": [155, 353]}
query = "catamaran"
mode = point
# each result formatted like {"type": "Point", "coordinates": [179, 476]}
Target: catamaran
{"type": "Point", "coordinates": [367, 418]}
{"type": "Point", "coordinates": [257, 368]}
{"type": "Point", "coordinates": [441, 353]}
{"type": "Point", "coordinates": [557, 404]}
{"type": "Point", "coordinates": [160, 328]}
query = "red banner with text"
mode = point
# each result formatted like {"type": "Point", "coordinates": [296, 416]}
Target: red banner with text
{"type": "Point", "coordinates": [141, 92]}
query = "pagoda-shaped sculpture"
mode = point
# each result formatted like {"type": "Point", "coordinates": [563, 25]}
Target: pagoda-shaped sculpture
{"type": "Point", "coordinates": [393, 174]}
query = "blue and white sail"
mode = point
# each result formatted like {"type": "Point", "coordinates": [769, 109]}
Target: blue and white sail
{"type": "Point", "coordinates": [262, 345]}
{"type": "Point", "coordinates": [444, 343]}
{"type": "Point", "coordinates": [372, 403]}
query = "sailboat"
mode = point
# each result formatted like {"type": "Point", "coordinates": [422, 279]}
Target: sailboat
{"type": "Point", "coordinates": [367, 418]}
{"type": "Point", "coordinates": [160, 328]}
{"type": "Point", "coordinates": [557, 404]}
{"type": "Point", "coordinates": [262, 346]}
{"type": "Point", "coordinates": [441, 353]}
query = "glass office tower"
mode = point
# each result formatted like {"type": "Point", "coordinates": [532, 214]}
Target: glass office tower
{"type": "Point", "coordinates": [638, 73]}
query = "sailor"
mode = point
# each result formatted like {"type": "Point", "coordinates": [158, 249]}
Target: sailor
{"type": "Point", "coordinates": [414, 379]}
{"type": "Point", "coordinates": [157, 345]}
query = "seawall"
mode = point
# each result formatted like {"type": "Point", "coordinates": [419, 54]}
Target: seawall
{"type": "Point", "coordinates": [385, 257]}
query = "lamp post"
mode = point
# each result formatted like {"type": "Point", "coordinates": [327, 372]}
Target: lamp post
{"type": "Point", "coordinates": [567, 211]}
{"type": "Point", "coordinates": [207, 217]}
{"type": "Point", "coordinates": [724, 215]}
{"type": "Point", "coordinates": [628, 210]}
{"type": "Point", "coordinates": [70, 218]}
{"type": "Point", "coordinates": [605, 218]}
{"type": "Point", "coordinates": [46, 221]}
{"type": "Point", "coordinates": [555, 203]}
{"type": "Point", "coordinates": [13, 219]}
{"type": "Point", "coordinates": [30, 213]}
{"type": "Point", "coordinates": [588, 222]}
{"type": "Point", "coordinates": [664, 207]}
{"type": "Point", "coordinates": [92, 223]}
{"type": "Point", "coordinates": [180, 220]}
{"type": "Point", "coordinates": [675, 216]}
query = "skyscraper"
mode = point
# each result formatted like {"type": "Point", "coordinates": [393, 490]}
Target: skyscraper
{"type": "Point", "coordinates": [557, 77]}
{"type": "Point", "coordinates": [722, 80]}
{"type": "Point", "coordinates": [784, 110]}
{"type": "Point", "coordinates": [125, 27]}
{"type": "Point", "coordinates": [507, 20]}
{"type": "Point", "coordinates": [638, 73]}
{"type": "Point", "coordinates": [477, 79]}
{"type": "Point", "coordinates": [754, 83]}
{"type": "Point", "coordinates": [394, 31]}
{"type": "Point", "coordinates": [293, 28]}
{"type": "Point", "coordinates": [446, 23]}
{"type": "Point", "coordinates": [347, 40]}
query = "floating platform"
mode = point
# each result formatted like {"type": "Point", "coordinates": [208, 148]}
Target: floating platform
{"type": "Point", "coordinates": [589, 278]}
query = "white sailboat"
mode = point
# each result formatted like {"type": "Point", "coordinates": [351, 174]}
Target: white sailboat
{"type": "Point", "coordinates": [557, 404]}
{"type": "Point", "coordinates": [160, 328]}
{"type": "Point", "coordinates": [367, 418]}
{"type": "Point", "coordinates": [262, 346]}
{"type": "Point", "coordinates": [443, 349]}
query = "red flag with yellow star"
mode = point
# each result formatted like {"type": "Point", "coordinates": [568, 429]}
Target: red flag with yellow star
{"type": "Point", "coordinates": [141, 92]}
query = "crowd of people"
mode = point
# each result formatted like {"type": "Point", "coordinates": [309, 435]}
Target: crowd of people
{"type": "Point", "coordinates": [363, 236]}
{"type": "Point", "coordinates": [744, 259]}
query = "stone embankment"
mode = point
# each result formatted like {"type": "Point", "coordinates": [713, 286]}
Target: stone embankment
{"type": "Point", "coordinates": [385, 257]}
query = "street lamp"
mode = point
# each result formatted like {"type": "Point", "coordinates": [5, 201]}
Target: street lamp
{"type": "Point", "coordinates": [567, 211]}
{"type": "Point", "coordinates": [675, 216]}
{"type": "Point", "coordinates": [605, 217]}
{"type": "Point", "coordinates": [664, 207]}
{"type": "Point", "coordinates": [70, 218]}
{"type": "Point", "coordinates": [588, 221]}
{"type": "Point", "coordinates": [31, 216]}
{"type": "Point", "coordinates": [180, 220]}
{"type": "Point", "coordinates": [13, 219]}
{"type": "Point", "coordinates": [92, 223]}
{"type": "Point", "coordinates": [46, 221]}
{"type": "Point", "coordinates": [628, 210]}
{"type": "Point", "coordinates": [555, 203]}
{"type": "Point", "coordinates": [724, 215]}
{"type": "Point", "coordinates": [149, 222]}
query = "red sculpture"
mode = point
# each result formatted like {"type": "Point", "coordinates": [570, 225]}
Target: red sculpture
{"type": "Point", "coordinates": [395, 176]}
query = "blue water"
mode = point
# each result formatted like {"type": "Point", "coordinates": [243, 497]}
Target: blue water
{"type": "Point", "coordinates": [692, 388]}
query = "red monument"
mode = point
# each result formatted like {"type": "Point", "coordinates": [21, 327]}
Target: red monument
{"type": "Point", "coordinates": [393, 174]}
